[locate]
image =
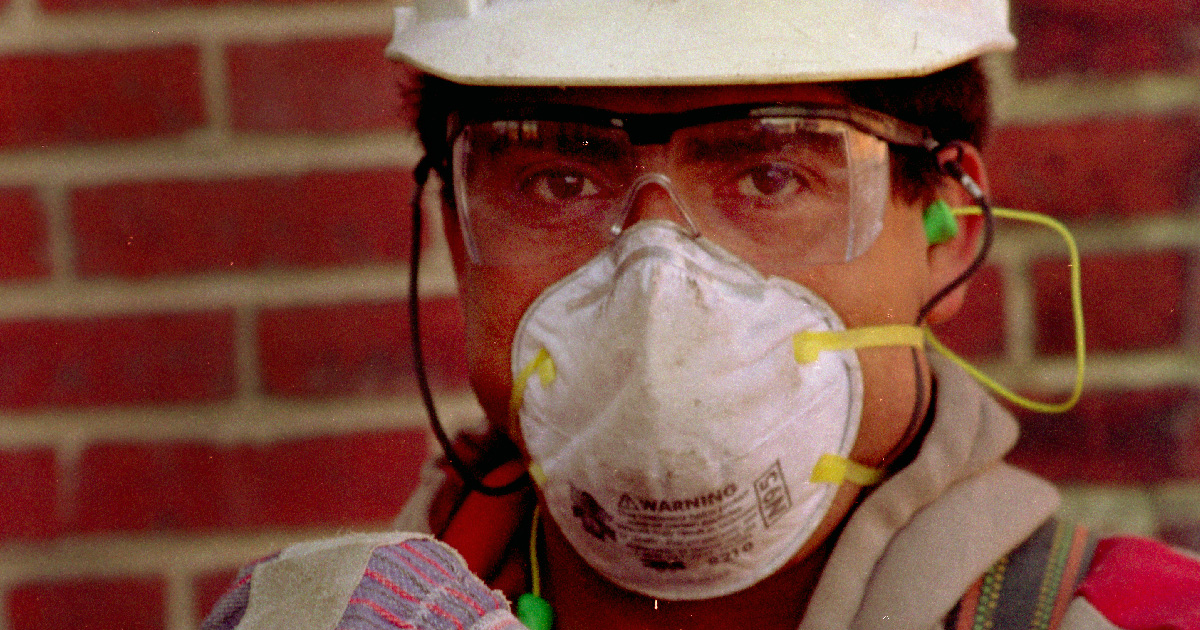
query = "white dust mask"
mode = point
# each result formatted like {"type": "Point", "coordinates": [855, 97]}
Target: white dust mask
{"type": "Point", "coordinates": [681, 405]}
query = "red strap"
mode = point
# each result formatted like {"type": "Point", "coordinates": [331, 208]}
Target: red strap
{"type": "Point", "coordinates": [1140, 584]}
{"type": "Point", "coordinates": [483, 526]}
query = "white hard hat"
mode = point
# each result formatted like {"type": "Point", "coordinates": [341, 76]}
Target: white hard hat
{"type": "Point", "coordinates": [680, 42]}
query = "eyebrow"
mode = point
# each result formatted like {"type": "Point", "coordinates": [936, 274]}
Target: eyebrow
{"type": "Point", "coordinates": [740, 146]}
{"type": "Point", "coordinates": [704, 150]}
{"type": "Point", "coordinates": [597, 145]}
{"type": "Point", "coordinates": [576, 141]}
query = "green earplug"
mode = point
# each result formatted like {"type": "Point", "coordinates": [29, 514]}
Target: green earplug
{"type": "Point", "coordinates": [534, 612]}
{"type": "Point", "coordinates": [940, 225]}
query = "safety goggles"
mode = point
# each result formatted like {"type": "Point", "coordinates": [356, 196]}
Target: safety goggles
{"type": "Point", "coordinates": [558, 183]}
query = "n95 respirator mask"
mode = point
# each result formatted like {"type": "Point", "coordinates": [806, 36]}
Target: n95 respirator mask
{"type": "Point", "coordinates": [688, 419]}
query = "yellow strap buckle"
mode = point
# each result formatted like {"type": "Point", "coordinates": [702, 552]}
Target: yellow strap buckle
{"type": "Point", "coordinates": [543, 364]}
{"type": "Point", "coordinates": [833, 468]}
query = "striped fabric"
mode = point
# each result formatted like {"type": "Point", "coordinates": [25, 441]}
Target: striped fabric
{"type": "Point", "coordinates": [228, 610]}
{"type": "Point", "coordinates": [1031, 587]}
{"type": "Point", "coordinates": [420, 584]}
{"type": "Point", "coordinates": [417, 583]}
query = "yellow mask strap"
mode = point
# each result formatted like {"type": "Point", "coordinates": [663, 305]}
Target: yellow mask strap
{"type": "Point", "coordinates": [1076, 313]}
{"type": "Point", "coordinates": [809, 345]}
{"type": "Point", "coordinates": [543, 365]}
{"type": "Point", "coordinates": [537, 474]}
{"type": "Point", "coordinates": [833, 468]}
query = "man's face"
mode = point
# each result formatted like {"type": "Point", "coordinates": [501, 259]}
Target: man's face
{"type": "Point", "coordinates": [885, 285]}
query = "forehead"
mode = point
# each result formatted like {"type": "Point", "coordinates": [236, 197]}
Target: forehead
{"type": "Point", "coordinates": [660, 99]}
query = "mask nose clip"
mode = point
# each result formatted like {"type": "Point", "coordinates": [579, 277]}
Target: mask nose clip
{"type": "Point", "coordinates": [635, 189]}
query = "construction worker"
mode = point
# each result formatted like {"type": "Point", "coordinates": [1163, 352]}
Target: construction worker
{"type": "Point", "coordinates": [698, 244]}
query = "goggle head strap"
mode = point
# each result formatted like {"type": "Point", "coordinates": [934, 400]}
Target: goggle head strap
{"type": "Point", "coordinates": [657, 128]}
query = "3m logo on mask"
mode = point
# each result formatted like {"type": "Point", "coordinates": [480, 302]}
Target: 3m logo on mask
{"type": "Point", "coordinates": [662, 561]}
{"type": "Point", "coordinates": [772, 492]}
{"type": "Point", "coordinates": [593, 518]}
{"type": "Point", "coordinates": [642, 504]}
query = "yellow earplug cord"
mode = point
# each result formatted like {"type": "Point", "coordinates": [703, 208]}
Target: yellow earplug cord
{"type": "Point", "coordinates": [1076, 313]}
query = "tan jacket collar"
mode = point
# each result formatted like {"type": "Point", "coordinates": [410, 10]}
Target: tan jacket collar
{"type": "Point", "coordinates": [918, 541]}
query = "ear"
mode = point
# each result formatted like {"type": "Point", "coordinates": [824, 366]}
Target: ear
{"type": "Point", "coordinates": [947, 260]}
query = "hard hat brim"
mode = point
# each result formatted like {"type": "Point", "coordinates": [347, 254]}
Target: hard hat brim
{"type": "Point", "coordinates": [695, 42]}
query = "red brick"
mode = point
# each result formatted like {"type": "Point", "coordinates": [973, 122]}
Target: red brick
{"type": "Point", "coordinates": [361, 479]}
{"type": "Point", "coordinates": [354, 479]}
{"type": "Point", "coordinates": [1184, 535]}
{"type": "Point", "coordinates": [978, 330]}
{"type": "Point", "coordinates": [1105, 38]}
{"type": "Point", "coordinates": [1111, 167]}
{"type": "Point", "coordinates": [1188, 427]}
{"type": "Point", "coordinates": [132, 603]}
{"type": "Point", "coordinates": [1117, 10]}
{"type": "Point", "coordinates": [29, 485]}
{"type": "Point", "coordinates": [319, 219]}
{"type": "Point", "coordinates": [358, 349]}
{"type": "Point", "coordinates": [23, 250]}
{"type": "Point", "coordinates": [187, 357]}
{"type": "Point", "coordinates": [317, 85]}
{"type": "Point", "coordinates": [1130, 302]}
{"type": "Point", "coordinates": [1115, 437]}
{"type": "Point", "coordinates": [51, 99]}
{"type": "Point", "coordinates": [209, 587]}
{"type": "Point", "coordinates": [138, 487]}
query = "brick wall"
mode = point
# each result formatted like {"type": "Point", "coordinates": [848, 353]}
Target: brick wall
{"type": "Point", "coordinates": [203, 246]}
{"type": "Point", "coordinates": [1099, 125]}
{"type": "Point", "coordinates": [202, 303]}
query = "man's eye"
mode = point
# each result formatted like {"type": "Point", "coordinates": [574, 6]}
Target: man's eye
{"type": "Point", "coordinates": [561, 186]}
{"type": "Point", "coordinates": [769, 180]}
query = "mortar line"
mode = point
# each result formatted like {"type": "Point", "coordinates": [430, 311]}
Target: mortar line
{"type": "Point", "coordinates": [112, 297]}
{"type": "Point", "coordinates": [194, 156]}
{"type": "Point", "coordinates": [234, 423]}
{"type": "Point", "coordinates": [1019, 314]}
{"type": "Point", "coordinates": [126, 554]}
{"type": "Point", "coordinates": [60, 235]}
{"type": "Point", "coordinates": [179, 600]}
{"type": "Point", "coordinates": [246, 355]}
{"type": "Point", "coordinates": [215, 81]}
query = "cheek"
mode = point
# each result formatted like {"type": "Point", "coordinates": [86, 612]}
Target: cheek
{"type": "Point", "coordinates": [889, 399]}
{"type": "Point", "coordinates": [884, 285]}
{"type": "Point", "coordinates": [493, 300]}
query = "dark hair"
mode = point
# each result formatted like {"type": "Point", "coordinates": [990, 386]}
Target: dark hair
{"type": "Point", "coordinates": [952, 103]}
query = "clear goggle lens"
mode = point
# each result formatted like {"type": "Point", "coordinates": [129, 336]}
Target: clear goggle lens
{"type": "Point", "coordinates": [809, 189]}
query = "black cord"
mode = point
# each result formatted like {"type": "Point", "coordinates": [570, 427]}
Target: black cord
{"type": "Point", "coordinates": [919, 422]}
{"type": "Point", "coordinates": [472, 481]}
{"type": "Point", "coordinates": [954, 169]}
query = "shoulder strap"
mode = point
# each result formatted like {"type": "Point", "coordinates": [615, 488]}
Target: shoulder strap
{"type": "Point", "coordinates": [1031, 587]}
